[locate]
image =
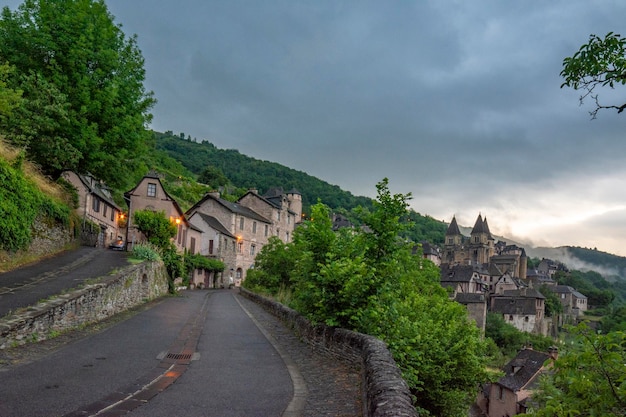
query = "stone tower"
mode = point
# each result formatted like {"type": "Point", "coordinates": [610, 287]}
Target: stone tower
{"type": "Point", "coordinates": [481, 246]}
{"type": "Point", "coordinates": [295, 203]}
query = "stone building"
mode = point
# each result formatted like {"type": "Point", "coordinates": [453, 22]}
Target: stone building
{"type": "Point", "coordinates": [475, 250]}
{"type": "Point", "coordinates": [96, 205]}
{"type": "Point", "coordinates": [149, 194]}
{"type": "Point", "coordinates": [247, 225]}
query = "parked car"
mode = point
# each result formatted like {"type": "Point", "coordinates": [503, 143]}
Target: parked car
{"type": "Point", "coordinates": [118, 244]}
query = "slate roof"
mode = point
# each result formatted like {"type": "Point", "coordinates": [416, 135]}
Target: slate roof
{"type": "Point", "coordinates": [232, 207]}
{"type": "Point", "coordinates": [453, 228]}
{"type": "Point", "coordinates": [457, 273]}
{"type": "Point", "coordinates": [565, 289]}
{"type": "Point", "coordinates": [470, 298]}
{"type": "Point", "coordinates": [481, 226]}
{"type": "Point", "coordinates": [215, 224]}
{"type": "Point", "coordinates": [514, 306]}
{"type": "Point", "coordinates": [523, 369]}
{"type": "Point", "coordinates": [95, 187]}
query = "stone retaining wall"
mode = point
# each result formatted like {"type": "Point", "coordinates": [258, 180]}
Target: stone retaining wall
{"type": "Point", "coordinates": [385, 392]}
{"type": "Point", "coordinates": [112, 294]}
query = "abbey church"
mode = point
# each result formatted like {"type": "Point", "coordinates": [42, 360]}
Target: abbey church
{"type": "Point", "coordinates": [481, 250]}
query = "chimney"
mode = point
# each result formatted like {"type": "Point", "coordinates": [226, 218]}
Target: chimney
{"type": "Point", "coordinates": [253, 190]}
{"type": "Point", "coordinates": [214, 194]}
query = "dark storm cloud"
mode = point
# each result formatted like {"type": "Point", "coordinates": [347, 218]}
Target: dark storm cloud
{"type": "Point", "coordinates": [457, 102]}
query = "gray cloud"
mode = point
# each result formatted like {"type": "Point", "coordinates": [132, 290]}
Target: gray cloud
{"type": "Point", "coordinates": [457, 102]}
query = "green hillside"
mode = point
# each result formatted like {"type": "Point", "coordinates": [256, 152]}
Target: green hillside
{"type": "Point", "coordinates": [229, 170]}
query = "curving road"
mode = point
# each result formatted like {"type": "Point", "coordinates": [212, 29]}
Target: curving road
{"type": "Point", "coordinates": [201, 353]}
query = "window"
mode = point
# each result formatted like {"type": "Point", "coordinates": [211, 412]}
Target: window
{"type": "Point", "coordinates": [192, 247]}
{"type": "Point", "coordinates": [253, 227]}
{"type": "Point", "coordinates": [510, 317]}
{"type": "Point", "coordinates": [240, 247]}
{"type": "Point", "coordinates": [287, 236]}
{"type": "Point", "coordinates": [104, 213]}
{"type": "Point", "coordinates": [278, 216]}
{"type": "Point", "coordinates": [241, 221]}
{"type": "Point", "coordinates": [267, 228]}
{"type": "Point", "coordinates": [252, 250]}
{"type": "Point", "coordinates": [96, 204]}
{"type": "Point", "coordinates": [211, 247]}
{"type": "Point", "coordinates": [526, 319]}
{"type": "Point", "coordinates": [151, 189]}
{"type": "Point", "coordinates": [288, 219]}
{"type": "Point", "coordinates": [112, 214]}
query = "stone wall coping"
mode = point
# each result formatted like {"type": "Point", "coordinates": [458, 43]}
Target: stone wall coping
{"type": "Point", "coordinates": [385, 392]}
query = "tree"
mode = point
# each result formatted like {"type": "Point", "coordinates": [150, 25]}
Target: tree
{"type": "Point", "coordinates": [83, 79]}
{"type": "Point", "coordinates": [367, 280]}
{"type": "Point", "coordinates": [155, 226]}
{"type": "Point", "coordinates": [9, 98]}
{"type": "Point", "coordinates": [599, 62]}
{"type": "Point", "coordinates": [589, 378]}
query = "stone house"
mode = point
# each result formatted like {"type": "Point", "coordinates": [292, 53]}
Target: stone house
{"type": "Point", "coordinates": [523, 308]}
{"type": "Point", "coordinates": [252, 220]}
{"type": "Point", "coordinates": [509, 395]}
{"type": "Point", "coordinates": [96, 205]}
{"type": "Point", "coordinates": [468, 288]}
{"type": "Point", "coordinates": [149, 194]}
{"type": "Point", "coordinates": [216, 243]}
{"type": "Point", "coordinates": [574, 303]}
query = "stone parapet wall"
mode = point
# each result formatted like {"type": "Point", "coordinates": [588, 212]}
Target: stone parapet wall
{"type": "Point", "coordinates": [112, 294]}
{"type": "Point", "coordinates": [385, 393]}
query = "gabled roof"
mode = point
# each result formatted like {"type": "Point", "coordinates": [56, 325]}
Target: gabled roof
{"type": "Point", "coordinates": [470, 298]}
{"type": "Point", "coordinates": [453, 228]}
{"type": "Point", "coordinates": [94, 186]}
{"type": "Point", "coordinates": [214, 223]}
{"type": "Point", "coordinates": [458, 273]}
{"type": "Point", "coordinates": [516, 306]}
{"type": "Point", "coordinates": [523, 369]}
{"type": "Point", "coordinates": [565, 289]}
{"type": "Point", "coordinates": [235, 208]}
{"type": "Point", "coordinates": [155, 176]}
{"type": "Point", "coordinates": [274, 197]}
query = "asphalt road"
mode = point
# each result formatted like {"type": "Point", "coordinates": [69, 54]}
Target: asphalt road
{"type": "Point", "coordinates": [28, 285]}
{"type": "Point", "coordinates": [234, 370]}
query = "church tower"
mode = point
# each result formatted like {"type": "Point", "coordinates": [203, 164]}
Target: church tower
{"type": "Point", "coordinates": [481, 247]}
{"type": "Point", "coordinates": [453, 242]}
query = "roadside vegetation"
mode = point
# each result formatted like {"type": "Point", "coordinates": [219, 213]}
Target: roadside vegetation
{"type": "Point", "coordinates": [367, 280]}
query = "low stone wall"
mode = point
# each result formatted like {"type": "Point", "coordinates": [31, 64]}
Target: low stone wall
{"type": "Point", "coordinates": [49, 238]}
{"type": "Point", "coordinates": [112, 294]}
{"type": "Point", "coordinates": [386, 394]}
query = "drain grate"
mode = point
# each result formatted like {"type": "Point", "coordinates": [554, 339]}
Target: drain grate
{"type": "Point", "coordinates": [179, 356]}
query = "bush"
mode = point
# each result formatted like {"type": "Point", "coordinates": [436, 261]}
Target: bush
{"type": "Point", "coordinates": [146, 251]}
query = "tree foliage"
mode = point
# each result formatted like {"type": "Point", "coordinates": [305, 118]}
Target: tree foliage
{"type": "Point", "coordinates": [589, 378]}
{"type": "Point", "coordinates": [84, 105]}
{"type": "Point", "coordinates": [155, 226]}
{"type": "Point", "coordinates": [367, 279]}
{"type": "Point", "coordinates": [601, 62]}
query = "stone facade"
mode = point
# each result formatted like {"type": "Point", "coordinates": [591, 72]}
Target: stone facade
{"type": "Point", "coordinates": [246, 226]}
{"type": "Point", "coordinates": [149, 194]}
{"type": "Point", "coordinates": [96, 205]}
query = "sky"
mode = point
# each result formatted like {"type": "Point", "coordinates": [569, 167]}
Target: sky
{"type": "Point", "coordinates": [456, 102]}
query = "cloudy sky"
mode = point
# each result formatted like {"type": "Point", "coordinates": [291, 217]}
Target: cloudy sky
{"type": "Point", "coordinates": [457, 102]}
